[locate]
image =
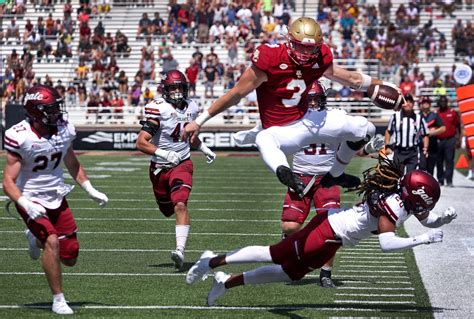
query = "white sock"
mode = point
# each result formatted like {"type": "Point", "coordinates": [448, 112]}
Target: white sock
{"type": "Point", "coordinates": [343, 157]}
{"type": "Point", "coordinates": [249, 254]}
{"type": "Point", "coordinates": [265, 274]}
{"type": "Point", "coordinates": [59, 297]}
{"type": "Point", "coordinates": [327, 268]}
{"type": "Point", "coordinates": [182, 232]}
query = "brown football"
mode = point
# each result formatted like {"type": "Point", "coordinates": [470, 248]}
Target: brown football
{"type": "Point", "coordinates": [385, 96]}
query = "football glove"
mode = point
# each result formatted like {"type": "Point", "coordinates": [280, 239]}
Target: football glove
{"type": "Point", "coordinates": [433, 236]}
{"type": "Point", "coordinates": [171, 156]}
{"type": "Point", "coordinates": [33, 210]}
{"type": "Point", "coordinates": [210, 155]}
{"type": "Point", "coordinates": [375, 144]}
{"type": "Point", "coordinates": [449, 215]}
{"type": "Point", "coordinates": [93, 193]}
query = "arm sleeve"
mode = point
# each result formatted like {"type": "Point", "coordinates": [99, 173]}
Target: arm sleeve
{"type": "Point", "coordinates": [432, 221]}
{"type": "Point", "coordinates": [390, 124]}
{"type": "Point", "coordinates": [389, 242]}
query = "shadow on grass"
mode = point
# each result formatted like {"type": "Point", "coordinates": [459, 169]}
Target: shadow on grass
{"type": "Point", "coordinates": [186, 266]}
{"type": "Point", "coordinates": [46, 306]}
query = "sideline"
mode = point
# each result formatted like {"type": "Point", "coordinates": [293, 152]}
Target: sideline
{"type": "Point", "coordinates": [447, 269]}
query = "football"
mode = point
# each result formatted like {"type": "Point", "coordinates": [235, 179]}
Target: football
{"type": "Point", "coordinates": [385, 96]}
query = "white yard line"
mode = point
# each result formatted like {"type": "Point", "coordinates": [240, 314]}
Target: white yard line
{"type": "Point", "coordinates": [376, 302]}
{"type": "Point", "coordinates": [170, 220]}
{"type": "Point", "coordinates": [378, 282]}
{"type": "Point", "coordinates": [348, 266]}
{"type": "Point", "coordinates": [345, 270]}
{"type": "Point", "coordinates": [206, 308]}
{"type": "Point", "coordinates": [375, 288]}
{"type": "Point", "coordinates": [376, 295]}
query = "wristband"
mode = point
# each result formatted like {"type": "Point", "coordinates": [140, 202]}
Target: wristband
{"type": "Point", "coordinates": [161, 153]}
{"type": "Point", "coordinates": [366, 81]}
{"type": "Point", "coordinates": [23, 202]}
{"type": "Point", "coordinates": [203, 118]}
{"type": "Point", "coordinates": [87, 186]}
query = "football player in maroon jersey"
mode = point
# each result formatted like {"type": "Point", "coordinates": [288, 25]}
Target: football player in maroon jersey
{"type": "Point", "coordinates": [282, 75]}
{"type": "Point", "coordinates": [389, 199]}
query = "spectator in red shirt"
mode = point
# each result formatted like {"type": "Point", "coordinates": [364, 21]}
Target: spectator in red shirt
{"type": "Point", "coordinates": [407, 86]}
{"type": "Point", "coordinates": [192, 72]}
{"type": "Point", "coordinates": [448, 142]}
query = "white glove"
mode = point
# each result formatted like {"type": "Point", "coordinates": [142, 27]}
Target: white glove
{"type": "Point", "coordinates": [93, 193]}
{"type": "Point", "coordinates": [375, 144]}
{"type": "Point", "coordinates": [433, 236]}
{"type": "Point", "coordinates": [210, 155]}
{"type": "Point", "coordinates": [449, 215]}
{"type": "Point", "coordinates": [32, 209]}
{"type": "Point", "coordinates": [170, 156]}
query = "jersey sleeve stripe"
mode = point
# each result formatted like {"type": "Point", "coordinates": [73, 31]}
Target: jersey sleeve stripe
{"type": "Point", "coordinates": [389, 210]}
{"type": "Point", "coordinates": [151, 111]}
{"type": "Point", "coordinates": [7, 143]}
{"type": "Point", "coordinates": [11, 141]}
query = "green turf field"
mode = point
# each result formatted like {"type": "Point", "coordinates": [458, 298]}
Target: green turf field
{"type": "Point", "coordinates": [124, 268]}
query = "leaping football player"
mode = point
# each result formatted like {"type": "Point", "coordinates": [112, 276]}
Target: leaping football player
{"type": "Point", "coordinates": [389, 199]}
{"type": "Point", "coordinates": [171, 168]}
{"type": "Point", "coordinates": [33, 180]}
{"type": "Point", "coordinates": [282, 75]}
{"type": "Point", "coordinates": [311, 164]}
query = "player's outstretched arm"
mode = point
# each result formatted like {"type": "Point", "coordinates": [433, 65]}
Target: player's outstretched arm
{"type": "Point", "coordinates": [431, 220]}
{"type": "Point", "coordinates": [78, 173]}
{"type": "Point", "coordinates": [249, 81]}
{"type": "Point", "coordinates": [390, 242]}
{"type": "Point", "coordinates": [355, 80]}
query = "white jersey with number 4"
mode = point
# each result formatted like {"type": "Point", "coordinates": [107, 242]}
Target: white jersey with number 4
{"type": "Point", "coordinates": [316, 159]}
{"type": "Point", "coordinates": [41, 176]}
{"type": "Point", "coordinates": [358, 223]}
{"type": "Point", "coordinates": [172, 121]}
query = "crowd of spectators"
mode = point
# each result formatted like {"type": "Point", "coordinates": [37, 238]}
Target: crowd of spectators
{"type": "Point", "coordinates": [363, 31]}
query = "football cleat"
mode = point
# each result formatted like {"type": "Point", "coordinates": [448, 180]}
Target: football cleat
{"type": "Point", "coordinates": [286, 177]}
{"type": "Point", "coordinates": [201, 268]}
{"type": "Point", "coordinates": [62, 308]}
{"type": "Point", "coordinates": [326, 282]}
{"type": "Point", "coordinates": [177, 256]}
{"type": "Point", "coordinates": [33, 249]}
{"type": "Point", "coordinates": [218, 288]}
{"type": "Point", "coordinates": [343, 180]}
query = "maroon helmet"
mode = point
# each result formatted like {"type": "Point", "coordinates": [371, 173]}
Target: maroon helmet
{"type": "Point", "coordinates": [44, 104]}
{"type": "Point", "coordinates": [170, 81]}
{"type": "Point", "coordinates": [317, 96]}
{"type": "Point", "coordinates": [419, 191]}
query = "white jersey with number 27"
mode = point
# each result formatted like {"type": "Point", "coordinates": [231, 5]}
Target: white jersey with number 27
{"type": "Point", "coordinates": [41, 176]}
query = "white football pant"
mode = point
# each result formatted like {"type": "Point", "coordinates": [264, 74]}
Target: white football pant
{"type": "Point", "coordinates": [316, 127]}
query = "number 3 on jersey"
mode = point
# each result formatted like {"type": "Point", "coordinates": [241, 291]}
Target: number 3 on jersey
{"type": "Point", "coordinates": [177, 132]}
{"type": "Point", "coordinates": [295, 99]}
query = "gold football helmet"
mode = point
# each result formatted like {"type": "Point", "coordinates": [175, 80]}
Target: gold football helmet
{"type": "Point", "coordinates": [304, 41]}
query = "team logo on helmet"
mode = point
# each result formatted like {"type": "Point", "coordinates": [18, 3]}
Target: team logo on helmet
{"type": "Point", "coordinates": [37, 96]}
{"type": "Point", "coordinates": [421, 192]}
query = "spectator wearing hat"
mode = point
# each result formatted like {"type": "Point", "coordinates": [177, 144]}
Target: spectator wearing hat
{"type": "Point", "coordinates": [448, 142]}
{"type": "Point", "coordinates": [435, 127]}
{"type": "Point", "coordinates": [409, 134]}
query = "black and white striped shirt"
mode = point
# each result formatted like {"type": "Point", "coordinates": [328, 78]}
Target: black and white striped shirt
{"type": "Point", "coordinates": [407, 130]}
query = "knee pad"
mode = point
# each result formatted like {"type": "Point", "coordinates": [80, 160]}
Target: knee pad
{"type": "Point", "coordinates": [69, 247]}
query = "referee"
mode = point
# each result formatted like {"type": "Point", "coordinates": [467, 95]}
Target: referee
{"type": "Point", "coordinates": [407, 130]}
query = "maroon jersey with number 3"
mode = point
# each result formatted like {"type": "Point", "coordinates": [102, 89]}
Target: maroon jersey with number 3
{"type": "Point", "coordinates": [282, 99]}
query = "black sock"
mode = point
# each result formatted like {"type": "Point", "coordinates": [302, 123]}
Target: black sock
{"type": "Point", "coordinates": [325, 273]}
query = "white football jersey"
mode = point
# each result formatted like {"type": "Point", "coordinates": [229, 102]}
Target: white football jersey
{"type": "Point", "coordinates": [172, 121]}
{"type": "Point", "coordinates": [356, 223]}
{"type": "Point", "coordinates": [41, 176]}
{"type": "Point", "coordinates": [316, 159]}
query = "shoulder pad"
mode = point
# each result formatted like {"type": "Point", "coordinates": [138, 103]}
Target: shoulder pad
{"type": "Point", "coordinates": [264, 55]}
